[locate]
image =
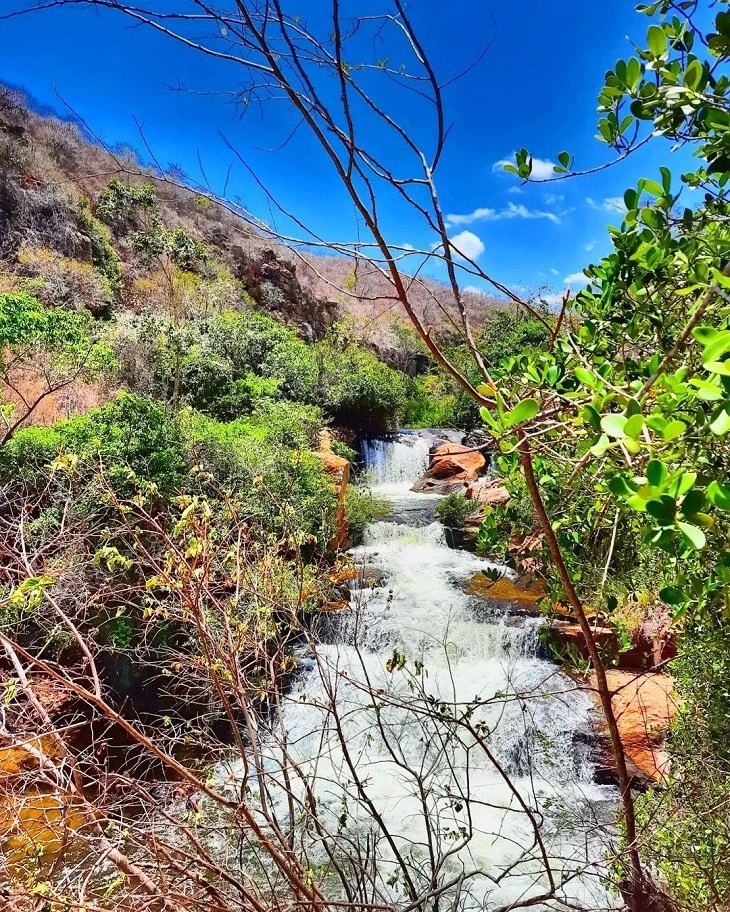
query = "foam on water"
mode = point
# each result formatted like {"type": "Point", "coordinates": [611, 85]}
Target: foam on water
{"type": "Point", "coordinates": [530, 745]}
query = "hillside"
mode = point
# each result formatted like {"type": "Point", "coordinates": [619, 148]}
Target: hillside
{"type": "Point", "coordinates": [49, 171]}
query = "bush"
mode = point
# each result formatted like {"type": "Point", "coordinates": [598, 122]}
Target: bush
{"type": "Point", "coordinates": [103, 255]}
{"type": "Point", "coordinates": [119, 204]}
{"type": "Point", "coordinates": [277, 487]}
{"type": "Point", "coordinates": [129, 437]}
{"type": "Point", "coordinates": [59, 281]}
{"type": "Point", "coordinates": [429, 403]}
{"type": "Point", "coordinates": [362, 509]}
{"type": "Point", "coordinates": [455, 509]}
{"type": "Point", "coordinates": [358, 389]}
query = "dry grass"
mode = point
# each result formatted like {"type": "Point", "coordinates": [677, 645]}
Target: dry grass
{"type": "Point", "coordinates": [64, 162]}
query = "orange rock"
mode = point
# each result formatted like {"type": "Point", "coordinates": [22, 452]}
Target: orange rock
{"type": "Point", "coordinates": [644, 705]}
{"type": "Point", "coordinates": [452, 466]}
{"type": "Point", "coordinates": [504, 589]}
{"type": "Point", "coordinates": [488, 493]}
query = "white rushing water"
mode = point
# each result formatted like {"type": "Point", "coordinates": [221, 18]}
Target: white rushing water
{"type": "Point", "coordinates": [371, 725]}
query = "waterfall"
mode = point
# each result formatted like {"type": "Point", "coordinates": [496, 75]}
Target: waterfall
{"type": "Point", "coordinates": [396, 462]}
{"type": "Point", "coordinates": [381, 694]}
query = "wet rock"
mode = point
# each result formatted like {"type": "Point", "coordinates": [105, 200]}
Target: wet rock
{"type": "Point", "coordinates": [452, 467]}
{"type": "Point", "coordinates": [358, 577]}
{"type": "Point", "coordinates": [479, 439]}
{"type": "Point", "coordinates": [520, 595]}
{"type": "Point", "coordinates": [642, 655]}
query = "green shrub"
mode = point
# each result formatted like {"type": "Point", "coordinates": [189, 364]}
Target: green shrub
{"type": "Point", "coordinates": [103, 255]}
{"type": "Point", "coordinates": [342, 449]}
{"type": "Point", "coordinates": [278, 487]}
{"type": "Point", "coordinates": [455, 509]}
{"type": "Point", "coordinates": [128, 435]}
{"type": "Point", "coordinates": [357, 389]}
{"type": "Point", "coordinates": [362, 509]}
{"type": "Point", "coordinates": [119, 202]}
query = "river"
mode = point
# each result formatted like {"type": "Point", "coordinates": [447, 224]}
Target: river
{"type": "Point", "coordinates": [433, 736]}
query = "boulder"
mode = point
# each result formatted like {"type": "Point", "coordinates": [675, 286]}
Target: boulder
{"type": "Point", "coordinates": [644, 705]}
{"type": "Point", "coordinates": [642, 655]}
{"type": "Point", "coordinates": [452, 467]}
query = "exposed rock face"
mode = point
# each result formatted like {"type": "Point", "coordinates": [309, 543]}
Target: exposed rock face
{"type": "Point", "coordinates": [452, 467]}
{"type": "Point", "coordinates": [338, 468]}
{"type": "Point", "coordinates": [644, 706]}
{"type": "Point", "coordinates": [642, 655]}
{"type": "Point", "coordinates": [274, 285]}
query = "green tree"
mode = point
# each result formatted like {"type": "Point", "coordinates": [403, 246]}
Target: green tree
{"type": "Point", "coordinates": [43, 351]}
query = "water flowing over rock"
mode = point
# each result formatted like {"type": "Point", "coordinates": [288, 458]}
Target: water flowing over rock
{"type": "Point", "coordinates": [391, 677]}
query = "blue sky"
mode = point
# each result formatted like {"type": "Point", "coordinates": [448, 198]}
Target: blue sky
{"type": "Point", "coordinates": [536, 87]}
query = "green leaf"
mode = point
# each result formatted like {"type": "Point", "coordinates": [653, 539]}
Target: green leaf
{"type": "Point", "coordinates": [657, 40]}
{"type": "Point", "coordinates": [721, 423]}
{"type": "Point", "coordinates": [656, 473]}
{"type": "Point", "coordinates": [693, 502]}
{"type": "Point", "coordinates": [634, 426]}
{"type": "Point", "coordinates": [673, 430]}
{"type": "Point", "coordinates": [704, 334]}
{"type": "Point", "coordinates": [664, 509]}
{"type": "Point", "coordinates": [586, 377]}
{"type": "Point", "coordinates": [620, 486]}
{"type": "Point", "coordinates": [592, 417]}
{"type": "Point", "coordinates": [666, 180]}
{"type": "Point", "coordinates": [718, 367]}
{"type": "Point", "coordinates": [694, 535]}
{"type": "Point", "coordinates": [694, 74]}
{"type": "Point", "coordinates": [718, 346]}
{"type": "Point", "coordinates": [604, 443]}
{"type": "Point", "coordinates": [672, 595]}
{"type": "Point", "coordinates": [719, 495]}
{"type": "Point", "coordinates": [614, 425]}
{"type": "Point", "coordinates": [710, 392]}
{"type": "Point", "coordinates": [522, 412]}
{"type": "Point", "coordinates": [564, 159]}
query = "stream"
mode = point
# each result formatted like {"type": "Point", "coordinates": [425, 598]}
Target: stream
{"type": "Point", "coordinates": [371, 723]}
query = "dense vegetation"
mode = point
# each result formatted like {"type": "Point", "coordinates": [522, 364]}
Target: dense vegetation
{"type": "Point", "coordinates": [159, 422]}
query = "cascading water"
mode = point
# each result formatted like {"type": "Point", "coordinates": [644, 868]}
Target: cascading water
{"type": "Point", "coordinates": [398, 462]}
{"type": "Point", "coordinates": [448, 733]}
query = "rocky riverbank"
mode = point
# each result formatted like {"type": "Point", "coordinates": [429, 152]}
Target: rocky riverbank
{"type": "Point", "coordinates": [643, 695]}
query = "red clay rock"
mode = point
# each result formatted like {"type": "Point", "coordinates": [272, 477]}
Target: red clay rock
{"type": "Point", "coordinates": [644, 705]}
{"type": "Point", "coordinates": [643, 655]}
{"type": "Point", "coordinates": [488, 492]}
{"type": "Point", "coordinates": [452, 467]}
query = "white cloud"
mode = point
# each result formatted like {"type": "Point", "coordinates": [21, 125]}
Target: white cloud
{"type": "Point", "coordinates": [542, 168]}
{"type": "Point", "coordinates": [515, 189]}
{"type": "Point", "coordinates": [609, 204]}
{"type": "Point", "coordinates": [468, 244]}
{"type": "Point", "coordinates": [553, 199]}
{"type": "Point", "coordinates": [575, 278]}
{"type": "Point", "coordinates": [554, 270]}
{"type": "Point", "coordinates": [591, 245]}
{"type": "Point", "coordinates": [473, 289]}
{"type": "Point", "coordinates": [553, 298]}
{"type": "Point", "coordinates": [510, 211]}
{"type": "Point", "coordinates": [478, 215]}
